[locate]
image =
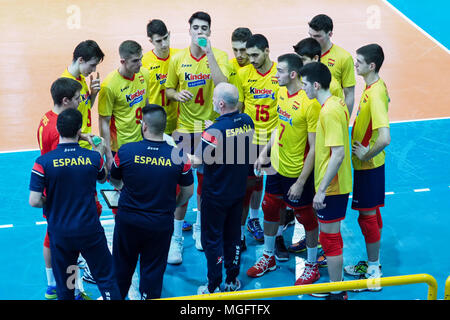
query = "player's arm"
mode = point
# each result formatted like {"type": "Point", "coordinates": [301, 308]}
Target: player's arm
{"type": "Point", "coordinates": [94, 87]}
{"type": "Point", "coordinates": [349, 97]}
{"type": "Point", "coordinates": [216, 72]}
{"type": "Point", "coordinates": [263, 158]}
{"type": "Point", "coordinates": [105, 133]}
{"type": "Point", "coordinates": [36, 200]}
{"type": "Point", "coordinates": [296, 189]}
{"type": "Point", "coordinates": [366, 153]}
{"type": "Point", "coordinates": [337, 156]}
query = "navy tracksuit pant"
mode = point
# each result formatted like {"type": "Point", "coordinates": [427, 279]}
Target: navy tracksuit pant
{"type": "Point", "coordinates": [94, 248]}
{"type": "Point", "coordinates": [221, 236]}
{"type": "Point", "coordinates": [147, 237]}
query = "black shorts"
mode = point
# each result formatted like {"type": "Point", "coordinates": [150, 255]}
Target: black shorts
{"type": "Point", "coordinates": [368, 189]}
{"type": "Point", "coordinates": [279, 185]}
{"type": "Point", "coordinates": [336, 207]}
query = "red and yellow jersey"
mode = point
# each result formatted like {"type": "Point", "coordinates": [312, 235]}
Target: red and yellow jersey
{"type": "Point", "coordinates": [47, 134]}
{"type": "Point", "coordinates": [372, 114]}
{"type": "Point", "coordinates": [332, 131]}
{"type": "Point", "coordinates": [297, 116]}
{"type": "Point", "coordinates": [258, 92]}
{"type": "Point", "coordinates": [188, 73]}
{"type": "Point", "coordinates": [341, 66]}
{"type": "Point", "coordinates": [84, 107]}
{"type": "Point", "coordinates": [235, 67]}
{"type": "Point", "coordinates": [122, 99]}
{"type": "Point", "coordinates": [158, 68]}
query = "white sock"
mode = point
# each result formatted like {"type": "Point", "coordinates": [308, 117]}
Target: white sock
{"type": "Point", "coordinates": [50, 277]}
{"type": "Point", "coordinates": [254, 213]}
{"type": "Point", "coordinates": [199, 218]}
{"type": "Point", "coordinates": [280, 231]}
{"type": "Point", "coordinates": [242, 232]}
{"type": "Point", "coordinates": [177, 228]}
{"type": "Point", "coordinates": [269, 245]}
{"type": "Point", "coordinates": [311, 254]}
{"type": "Point", "coordinates": [373, 267]}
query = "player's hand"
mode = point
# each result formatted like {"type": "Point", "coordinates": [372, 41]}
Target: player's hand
{"type": "Point", "coordinates": [109, 160]}
{"type": "Point", "coordinates": [207, 48]}
{"type": "Point", "coordinates": [94, 84]}
{"type": "Point", "coordinates": [101, 147]}
{"type": "Point", "coordinates": [360, 151]}
{"type": "Point", "coordinates": [318, 201]}
{"type": "Point", "coordinates": [295, 191]}
{"type": "Point", "coordinates": [259, 163]}
{"type": "Point", "coordinates": [88, 137]}
{"type": "Point", "coordinates": [184, 96]}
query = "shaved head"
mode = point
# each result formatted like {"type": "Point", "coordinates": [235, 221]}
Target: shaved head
{"type": "Point", "coordinates": [228, 94]}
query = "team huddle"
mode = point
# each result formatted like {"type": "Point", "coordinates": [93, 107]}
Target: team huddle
{"type": "Point", "coordinates": [169, 112]}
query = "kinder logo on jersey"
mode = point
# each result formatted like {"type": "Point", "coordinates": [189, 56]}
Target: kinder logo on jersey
{"type": "Point", "coordinates": [262, 93]}
{"type": "Point", "coordinates": [196, 79]}
{"type": "Point", "coordinates": [284, 116]}
{"type": "Point", "coordinates": [162, 78]}
{"type": "Point", "coordinates": [331, 62]}
{"type": "Point", "coordinates": [136, 97]}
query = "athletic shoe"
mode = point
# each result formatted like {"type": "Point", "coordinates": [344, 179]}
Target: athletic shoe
{"type": "Point", "coordinates": [255, 229]}
{"type": "Point", "coordinates": [264, 264]}
{"type": "Point", "coordinates": [359, 269]}
{"type": "Point", "coordinates": [187, 226]}
{"type": "Point", "coordinates": [50, 294]}
{"type": "Point", "coordinates": [322, 261]}
{"type": "Point", "coordinates": [337, 296]}
{"type": "Point", "coordinates": [300, 246]}
{"type": "Point", "coordinates": [175, 251]}
{"type": "Point", "coordinates": [243, 246]}
{"type": "Point", "coordinates": [87, 276]}
{"type": "Point", "coordinates": [310, 274]}
{"type": "Point", "coordinates": [373, 275]}
{"type": "Point", "coordinates": [229, 287]}
{"type": "Point", "coordinates": [196, 235]}
{"type": "Point", "coordinates": [281, 253]}
{"type": "Point", "coordinates": [320, 294]}
{"type": "Point", "coordinates": [204, 290]}
{"type": "Point", "coordinates": [290, 218]}
{"type": "Point", "coordinates": [82, 296]}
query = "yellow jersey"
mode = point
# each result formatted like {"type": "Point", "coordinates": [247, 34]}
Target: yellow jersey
{"type": "Point", "coordinates": [235, 66]}
{"type": "Point", "coordinates": [297, 116]}
{"type": "Point", "coordinates": [372, 114]}
{"type": "Point", "coordinates": [340, 64]}
{"type": "Point", "coordinates": [158, 68]}
{"type": "Point", "coordinates": [258, 92]}
{"type": "Point", "coordinates": [188, 73]}
{"type": "Point", "coordinates": [122, 99]}
{"type": "Point", "coordinates": [84, 107]}
{"type": "Point", "coordinates": [332, 131]}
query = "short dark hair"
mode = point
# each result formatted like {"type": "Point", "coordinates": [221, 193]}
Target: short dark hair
{"type": "Point", "coordinates": [317, 72]}
{"type": "Point", "coordinates": [64, 88]}
{"type": "Point", "coordinates": [241, 34]}
{"type": "Point", "coordinates": [321, 22]}
{"type": "Point", "coordinates": [259, 41]}
{"type": "Point", "coordinates": [129, 48]}
{"type": "Point", "coordinates": [156, 26]}
{"type": "Point", "coordinates": [155, 118]}
{"type": "Point", "coordinates": [69, 122]}
{"type": "Point", "coordinates": [372, 53]}
{"type": "Point", "coordinates": [309, 47]}
{"type": "Point", "coordinates": [200, 15]}
{"type": "Point", "coordinates": [293, 61]}
{"type": "Point", "coordinates": [87, 50]}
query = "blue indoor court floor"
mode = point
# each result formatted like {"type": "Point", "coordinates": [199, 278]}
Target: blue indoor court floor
{"type": "Point", "coordinates": [415, 234]}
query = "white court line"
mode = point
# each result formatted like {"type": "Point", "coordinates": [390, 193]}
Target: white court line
{"type": "Point", "coordinates": [415, 26]}
{"type": "Point", "coordinates": [422, 190]}
{"type": "Point", "coordinates": [38, 223]}
{"type": "Point", "coordinates": [389, 193]}
{"type": "Point", "coordinates": [6, 226]}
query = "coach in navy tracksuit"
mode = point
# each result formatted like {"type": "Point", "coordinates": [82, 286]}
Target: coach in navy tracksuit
{"type": "Point", "coordinates": [69, 175]}
{"type": "Point", "coordinates": [224, 153]}
{"type": "Point", "coordinates": [147, 172]}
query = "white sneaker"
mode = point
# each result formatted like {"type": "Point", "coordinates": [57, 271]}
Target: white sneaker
{"type": "Point", "coordinates": [229, 287]}
{"type": "Point", "coordinates": [175, 250]}
{"type": "Point", "coordinates": [197, 236]}
{"type": "Point", "coordinates": [204, 289]}
{"type": "Point", "coordinates": [374, 274]}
